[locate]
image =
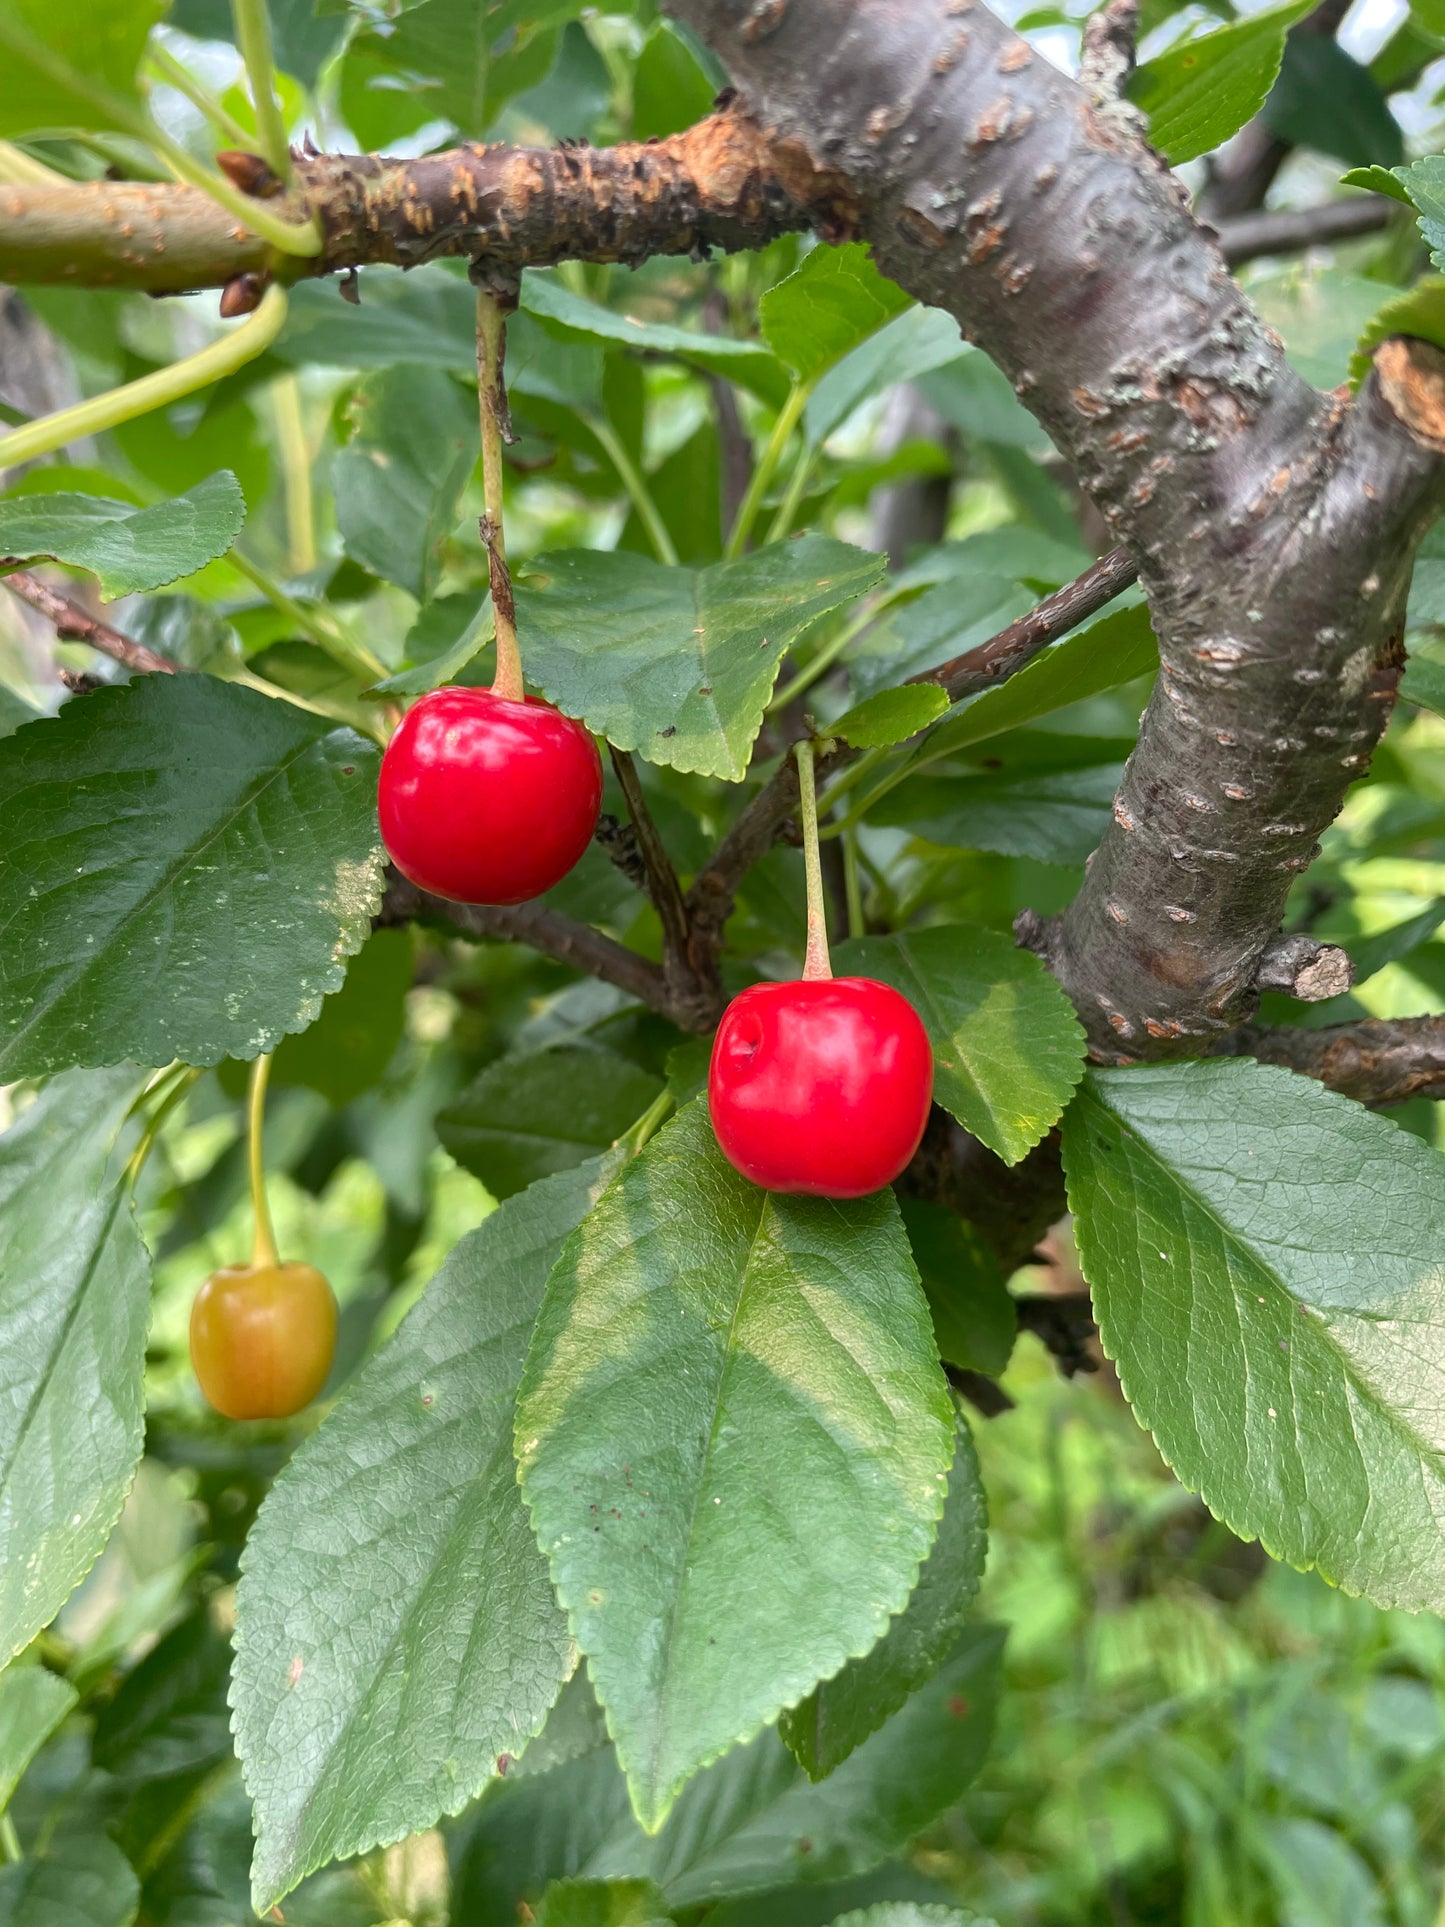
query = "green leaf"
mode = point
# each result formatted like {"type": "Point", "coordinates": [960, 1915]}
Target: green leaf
{"type": "Point", "coordinates": [1265, 1262]}
{"type": "Point", "coordinates": [1321, 313]}
{"type": "Point", "coordinates": [396, 1632]}
{"type": "Point", "coordinates": [71, 66]}
{"type": "Point", "coordinates": [839, 1715]}
{"type": "Point", "coordinates": [524, 1117]}
{"type": "Point", "coordinates": [678, 664]}
{"type": "Point", "coordinates": [1424, 683]}
{"type": "Point", "coordinates": [84, 1883]}
{"type": "Point", "coordinates": [463, 56]}
{"type": "Point", "coordinates": [169, 1715]}
{"type": "Point", "coordinates": [446, 666]}
{"type": "Point", "coordinates": [975, 1320]}
{"type": "Point", "coordinates": [892, 716]}
{"type": "Point", "coordinates": [913, 343]}
{"type": "Point", "coordinates": [346, 1051]}
{"type": "Point", "coordinates": [603, 1903]}
{"type": "Point", "coordinates": [1007, 1047]}
{"type": "Point", "coordinates": [1199, 93]}
{"type": "Point", "coordinates": [129, 549]}
{"type": "Point", "coordinates": [1325, 100]}
{"type": "Point", "coordinates": [188, 864]}
{"type": "Point", "coordinates": [33, 1702]}
{"type": "Point", "coordinates": [908, 1913]}
{"type": "Point", "coordinates": [669, 88]}
{"type": "Point", "coordinates": [954, 616]}
{"type": "Point", "coordinates": [74, 1303]}
{"type": "Point", "coordinates": [426, 317]}
{"type": "Point", "coordinates": [1318, 1877]}
{"type": "Point", "coordinates": [820, 312]}
{"type": "Point", "coordinates": [1424, 182]}
{"type": "Point", "coordinates": [740, 1826]}
{"type": "Point", "coordinates": [1052, 815]}
{"type": "Point", "coordinates": [1380, 180]}
{"type": "Point", "coordinates": [572, 317]}
{"type": "Point", "coordinates": [1113, 649]}
{"type": "Point", "coordinates": [1418, 311]}
{"type": "Point", "coordinates": [698, 1334]}
{"type": "Point", "coordinates": [1369, 954]}
{"type": "Point", "coordinates": [399, 480]}
{"type": "Point", "coordinates": [14, 712]}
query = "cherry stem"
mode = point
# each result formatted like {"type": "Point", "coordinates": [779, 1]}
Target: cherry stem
{"type": "Point", "coordinates": [496, 428]}
{"type": "Point", "coordinates": [263, 1243]}
{"type": "Point", "coordinates": [816, 965]}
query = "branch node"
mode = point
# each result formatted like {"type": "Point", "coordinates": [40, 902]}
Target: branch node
{"type": "Point", "coordinates": [1305, 968]}
{"type": "Point", "coordinates": [1107, 58]}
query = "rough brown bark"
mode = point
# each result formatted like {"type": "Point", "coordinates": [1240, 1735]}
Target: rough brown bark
{"type": "Point", "coordinates": [1376, 1060]}
{"type": "Point", "coordinates": [1274, 527]}
{"type": "Point", "coordinates": [716, 185]}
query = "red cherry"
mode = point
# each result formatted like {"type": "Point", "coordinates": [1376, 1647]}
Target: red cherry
{"type": "Point", "coordinates": [820, 1087]}
{"type": "Point", "coordinates": [487, 800]}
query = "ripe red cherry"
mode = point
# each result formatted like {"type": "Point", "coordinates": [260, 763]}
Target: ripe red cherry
{"type": "Point", "coordinates": [821, 1087]}
{"type": "Point", "coordinates": [487, 800]}
{"type": "Point", "coordinates": [262, 1338]}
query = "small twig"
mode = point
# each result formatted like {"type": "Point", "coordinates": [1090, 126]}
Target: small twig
{"type": "Point", "coordinates": [714, 889]}
{"type": "Point", "coordinates": [662, 884]}
{"type": "Point", "coordinates": [1107, 57]}
{"type": "Point", "coordinates": [1006, 653]}
{"type": "Point", "coordinates": [1288, 230]}
{"type": "Point", "coordinates": [72, 624]}
{"type": "Point", "coordinates": [1063, 1323]}
{"type": "Point", "coordinates": [546, 930]}
{"type": "Point", "coordinates": [985, 1395]}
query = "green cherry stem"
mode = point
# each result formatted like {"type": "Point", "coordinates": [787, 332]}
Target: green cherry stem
{"type": "Point", "coordinates": [491, 397]}
{"type": "Point", "coordinates": [234, 349]}
{"type": "Point", "coordinates": [263, 1242]}
{"type": "Point", "coordinates": [638, 1134]}
{"type": "Point", "coordinates": [253, 39]}
{"type": "Point", "coordinates": [816, 965]}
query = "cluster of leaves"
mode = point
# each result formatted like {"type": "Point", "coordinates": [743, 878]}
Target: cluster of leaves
{"type": "Point", "coordinates": [639, 1543]}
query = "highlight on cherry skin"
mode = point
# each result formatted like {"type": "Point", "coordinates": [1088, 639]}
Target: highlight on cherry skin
{"type": "Point", "coordinates": [822, 1086]}
{"type": "Point", "coordinates": [262, 1338]}
{"type": "Point", "coordinates": [484, 799]}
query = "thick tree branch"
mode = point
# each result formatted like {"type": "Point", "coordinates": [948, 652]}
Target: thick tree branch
{"type": "Point", "coordinates": [72, 624]}
{"type": "Point", "coordinates": [717, 185]}
{"type": "Point", "coordinates": [1376, 1060]}
{"type": "Point", "coordinates": [1274, 527]}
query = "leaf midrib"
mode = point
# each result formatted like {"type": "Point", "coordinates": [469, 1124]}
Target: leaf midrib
{"type": "Point", "coordinates": [666, 1675]}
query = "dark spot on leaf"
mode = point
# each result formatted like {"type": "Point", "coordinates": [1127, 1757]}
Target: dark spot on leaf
{"type": "Point", "coordinates": [504, 1760]}
{"type": "Point", "coordinates": [804, 1845]}
{"type": "Point", "coordinates": [958, 1707]}
{"type": "Point", "coordinates": [348, 769]}
{"type": "Point", "coordinates": [671, 730]}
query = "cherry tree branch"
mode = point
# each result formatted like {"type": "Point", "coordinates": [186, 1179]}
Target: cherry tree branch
{"type": "Point", "coordinates": [1375, 1060]}
{"type": "Point", "coordinates": [1274, 527]}
{"type": "Point", "coordinates": [763, 819]}
{"type": "Point", "coordinates": [544, 929]}
{"type": "Point", "coordinates": [718, 185]}
{"type": "Point", "coordinates": [1288, 230]}
{"type": "Point", "coordinates": [72, 624]}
